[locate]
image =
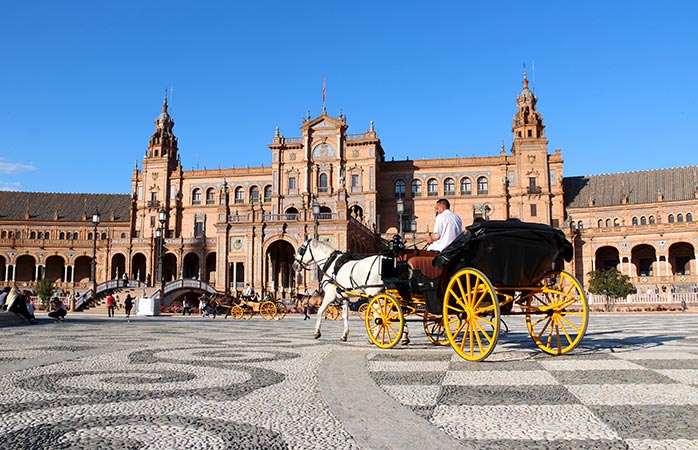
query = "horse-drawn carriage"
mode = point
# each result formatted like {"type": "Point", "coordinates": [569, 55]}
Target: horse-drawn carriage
{"type": "Point", "coordinates": [269, 308]}
{"type": "Point", "coordinates": [493, 268]}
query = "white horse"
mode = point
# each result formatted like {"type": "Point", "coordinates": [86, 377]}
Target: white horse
{"type": "Point", "coordinates": [344, 281]}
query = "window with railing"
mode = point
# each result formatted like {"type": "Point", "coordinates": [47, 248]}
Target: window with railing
{"type": "Point", "coordinates": [239, 195]}
{"type": "Point", "coordinates": [482, 186]}
{"type": "Point", "coordinates": [432, 188]}
{"type": "Point", "coordinates": [449, 186]}
{"type": "Point", "coordinates": [466, 186]}
{"type": "Point", "coordinates": [400, 189]}
{"type": "Point", "coordinates": [416, 188]}
{"type": "Point", "coordinates": [210, 196]}
{"type": "Point", "coordinates": [196, 195]}
{"type": "Point", "coordinates": [267, 194]}
{"type": "Point", "coordinates": [322, 183]}
{"type": "Point", "coordinates": [254, 194]}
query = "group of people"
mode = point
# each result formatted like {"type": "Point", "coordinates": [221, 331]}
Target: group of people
{"type": "Point", "coordinates": [20, 302]}
{"type": "Point", "coordinates": [113, 304]}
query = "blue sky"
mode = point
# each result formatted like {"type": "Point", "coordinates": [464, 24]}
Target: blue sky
{"type": "Point", "coordinates": [81, 82]}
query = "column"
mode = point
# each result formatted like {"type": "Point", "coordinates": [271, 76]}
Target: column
{"type": "Point", "coordinates": [659, 272]}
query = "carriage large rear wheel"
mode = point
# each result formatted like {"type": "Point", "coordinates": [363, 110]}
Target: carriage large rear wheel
{"type": "Point", "coordinates": [384, 321]}
{"type": "Point", "coordinates": [471, 314]}
{"type": "Point", "coordinates": [558, 315]}
{"type": "Point", "coordinates": [434, 329]}
{"type": "Point", "coordinates": [267, 310]}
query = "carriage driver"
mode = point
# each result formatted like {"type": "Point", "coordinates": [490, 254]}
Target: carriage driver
{"type": "Point", "coordinates": [447, 226]}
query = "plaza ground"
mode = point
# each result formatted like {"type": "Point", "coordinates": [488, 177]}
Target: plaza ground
{"type": "Point", "coordinates": [188, 382]}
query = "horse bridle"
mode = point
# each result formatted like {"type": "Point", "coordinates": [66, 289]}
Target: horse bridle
{"type": "Point", "coordinates": [323, 263]}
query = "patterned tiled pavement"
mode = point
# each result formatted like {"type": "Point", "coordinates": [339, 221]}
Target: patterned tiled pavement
{"type": "Point", "coordinates": [171, 382]}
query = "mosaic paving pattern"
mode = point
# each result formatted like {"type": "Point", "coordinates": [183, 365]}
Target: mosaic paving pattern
{"type": "Point", "coordinates": [174, 382]}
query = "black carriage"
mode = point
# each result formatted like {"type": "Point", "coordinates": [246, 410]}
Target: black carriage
{"type": "Point", "coordinates": [493, 268]}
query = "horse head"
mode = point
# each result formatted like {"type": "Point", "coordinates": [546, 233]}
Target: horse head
{"type": "Point", "coordinates": [311, 251]}
{"type": "Point", "coordinates": [303, 256]}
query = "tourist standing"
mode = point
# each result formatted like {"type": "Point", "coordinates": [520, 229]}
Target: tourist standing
{"type": "Point", "coordinates": [111, 302]}
{"type": "Point", "coordinates": [128, 305]}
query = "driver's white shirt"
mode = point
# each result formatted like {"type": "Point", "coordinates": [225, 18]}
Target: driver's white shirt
{"type": "Point", "coordinates": [449, 227]}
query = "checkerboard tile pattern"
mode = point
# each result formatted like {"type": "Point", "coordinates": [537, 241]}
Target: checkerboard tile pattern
{"type": "Point", "coordinates": [642, 394]}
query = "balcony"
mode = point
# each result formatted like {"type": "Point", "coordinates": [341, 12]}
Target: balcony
{"type": "Point", "coordinates": [534, 190]}
{"type": "Point", "coordinates": [153, 204]}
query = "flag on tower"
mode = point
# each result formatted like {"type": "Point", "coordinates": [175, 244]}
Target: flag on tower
{"type": "Point", "coordinates": [324, 90]}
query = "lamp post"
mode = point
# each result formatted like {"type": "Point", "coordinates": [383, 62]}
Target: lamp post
{"type": "Point", "coordinates": [400, 211]}
{"type": "Point", "coordinates": [316, 216]}
{"type": "Point", "coordinates": [160, 233]}
{"type": "Point", "coordinates": [93, 267]}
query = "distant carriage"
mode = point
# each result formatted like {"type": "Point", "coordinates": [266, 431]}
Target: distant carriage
{"type": "Point", "coordinates": [269, 308]}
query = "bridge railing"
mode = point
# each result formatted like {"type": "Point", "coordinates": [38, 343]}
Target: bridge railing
{"type": "Point", "coordinates": [189, 283]}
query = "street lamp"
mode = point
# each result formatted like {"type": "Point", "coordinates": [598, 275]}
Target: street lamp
{"type": "Point", "coordinates": [316, 216]}
{"type": "Point", "coordinates": [93, 268]}
{"type": "Point", "coordinates": [160, 233]}
{"type": "Point", "coordinates": [400, 211]}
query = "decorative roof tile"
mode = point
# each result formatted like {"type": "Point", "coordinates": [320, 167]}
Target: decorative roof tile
{"type": "Point", "coordinates": [50, 206]}
{"type": "Point", "coordinates": [680, 183]}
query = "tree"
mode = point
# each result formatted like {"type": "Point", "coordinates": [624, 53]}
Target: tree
{"type": "Point", "coordinates": [611, 283]}
{"type": "Point", "coordinates": [44, 289]}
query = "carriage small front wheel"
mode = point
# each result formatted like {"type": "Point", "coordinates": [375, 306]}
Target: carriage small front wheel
{"type": "Point", "coordinates": [280, 310]}
{"type": "Point", "coordinates": [236, 312]}
{"type": "Point", "coordinates": [434, 329]}
{"type": "Point", "coordinates": [362, 311]}
{"type": "Point", "coordinates": [471, 314]}
{"type": "Point", "coordinates": [384, 321]}
{"type": "Point", "coordinates": [557, 316]}
{"type": "Point", "coordinates": [332, 312]}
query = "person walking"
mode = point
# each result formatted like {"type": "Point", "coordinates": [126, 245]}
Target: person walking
{"type": "Point", "coordinates": [185, 307]}
{"type": "Point", "coordinates": [447, 227]}
{"type": "Point", "coordinates": [111, 303]}
{"type": "Point", "coordinates": [128, 305]}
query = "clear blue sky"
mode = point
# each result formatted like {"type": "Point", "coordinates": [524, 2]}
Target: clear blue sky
{"type": "Point", "coordinates": [81, 82]}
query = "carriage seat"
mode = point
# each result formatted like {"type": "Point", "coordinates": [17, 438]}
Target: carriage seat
{"type": "Point", "coordinates": [424, 265]}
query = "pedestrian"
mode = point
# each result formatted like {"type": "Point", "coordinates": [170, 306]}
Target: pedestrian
{"type": "Point", "coordinates": [125, 278]}
{"type": "Point", "coordinates": [128, 304]}
{"type": "Point", "coordinates": [3, 297]}
{"type": "Point", "coordinates": [111, 302]}
{"type": "Point", "coordinates": [214, 307]}
{"type": "Point", "coordinates": [58, 309]}
{"type": "Point", "coordinates": [447, 227]}
{"type": "Point", "coordinates": [185, 307]}
{"type": "Point", "coordinates": [147, 280]}
{"type": "Point", "coordinates": [117, 302]}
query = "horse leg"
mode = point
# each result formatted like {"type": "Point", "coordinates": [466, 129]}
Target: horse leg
{"type": "Point", "coordinates": [345, 313]}
{"type": "Point", "coordinates": [326, 300]}
{"type": "Point", "coordinates": [405, 335]}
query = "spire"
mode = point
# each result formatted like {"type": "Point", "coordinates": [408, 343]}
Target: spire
{"type": "Point", "coordinates": [164, 103]}
{"type": "Point", "coordinates": [163, 142]}
{"type": "Point", "coordinates": [528, 122]}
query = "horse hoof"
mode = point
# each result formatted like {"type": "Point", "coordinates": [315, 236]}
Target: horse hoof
{"type": "Point", "coordinates": [405, 342]}
{"type": "Point", "coordinates": [343, 339]}
{"type": "Point", "coordinates": [317, 335]}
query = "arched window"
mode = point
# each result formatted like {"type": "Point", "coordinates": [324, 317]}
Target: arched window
{"type": "Point", "coordinates": [196, 196]}
{"type": "Point", "coordinates": [651, 220]}
{"type": "Point", "coordinates": [254, 194]}
{"type": "Point", "coordinates": [432, 188]}
{"type": "Point", "coordinates": [323, 183]}
{"type": "Point", "coordinates": [104, 236]}
{"type": "Point", "coordinates": [400, 189]}
{"type": "Point", "coordinates": [239, 195]}
{"type": "Point", "coordinates": [267, 193]}
{"type": "Point", "coordinates": [123, 235]}
{"type": "Point", "coordinates": [635, 220]}
{"type": "Point", "coordinates": [689, 217]}
{"type": "Point", "coordinates": [482, 186]}
{"type": "Point", "coordinates": [616, 222]}
{"type": "Point", "coordinates": [416, 188]}
{"type": "Point", "coordinates": [210, 196]}
{"type": "Point", "coordinates": [671, 218]}
{"type": "Point", "coordinates": [61, 235]}
{"type": "Point", "coordinates": [608, 223]}
{"type": "Point", "coordinates": [449, 187]}
{"type": "Point", "coordinates": [679, 217]}
{"type": "Point", "coordinates": [466, 186]}
{"type": "Point", "coordinates": [32, 235]}
{"type": "Point", "coordinates": [600, 223]}
{"type": "Point", "coordinates": [89, 236]}
{"type": "Point", "coordinates": [580, 225]}
{"type": "Point", "coordinates": [643, 220]}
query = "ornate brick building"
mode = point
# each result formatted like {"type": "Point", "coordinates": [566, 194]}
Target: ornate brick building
{"type": "Point", "coordinates": [234, 226]}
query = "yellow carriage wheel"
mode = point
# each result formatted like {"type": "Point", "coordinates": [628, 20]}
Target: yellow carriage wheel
{"type": "Point", "coordinates": [557, 316]}
{"type": "Point", "coordinates": [434, 329]}
{"type": "Point", "coordinates": [471, 314]}
{"type": "Point", "coordinates": [267, 310]}
{"type": "Point", "coordinates": [362, 311]}
{"type": "Point", "coordinates": [280, 310]}
{"type": "Point", "coordinates": [236, 312]}
{"type": "Point", "coordinates": [332, 312]}
{"type": "Point", "coordinates": [384, 321]}
{"type": "Point", "coordinates": [247, 312]}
